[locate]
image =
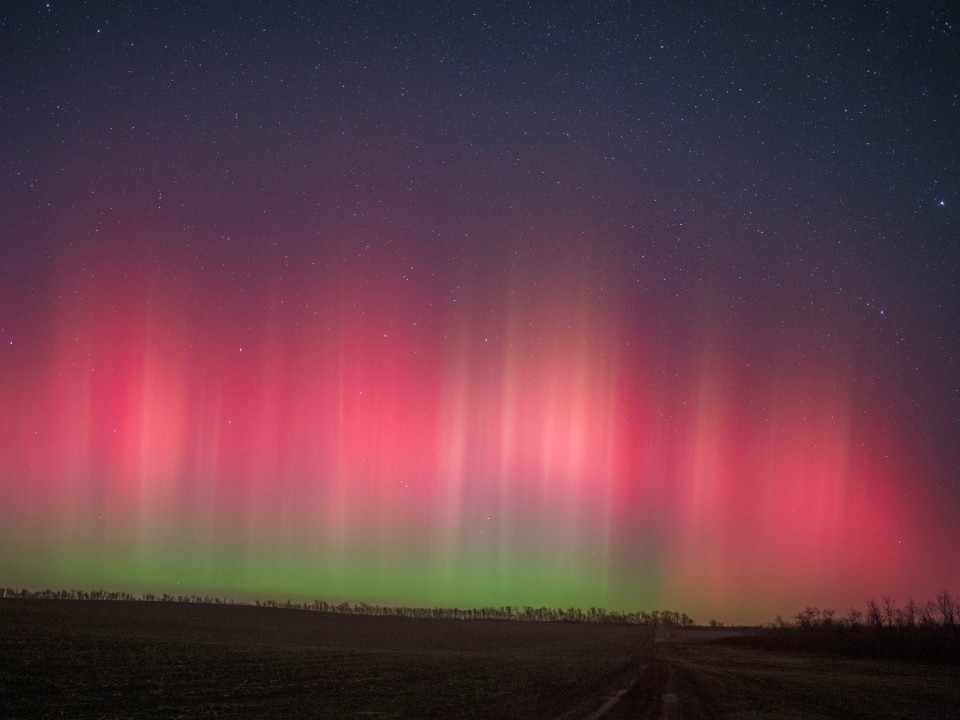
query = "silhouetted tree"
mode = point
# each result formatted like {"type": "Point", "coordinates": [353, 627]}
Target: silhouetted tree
{"type": "Point", "coordinates": [854, 617]}
{"type": "Point", "coordinates": [889, 610]}
{"type": "Point", "coordinates": [947, 605]}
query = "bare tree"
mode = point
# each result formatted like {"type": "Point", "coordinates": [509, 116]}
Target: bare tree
{"type": "Point", "coordinates": [947, 605]}
{"type": "Point", "coordinates": [928, 613]}
{"type": "Point", "coordinates": [908, 614]}
{"type": "Point", "coordinates": [808, 617]}
{"type": "Point", "coordinates": [889, 610]}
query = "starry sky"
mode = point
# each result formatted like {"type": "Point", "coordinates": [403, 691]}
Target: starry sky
{"type": "Point", "coordinates": [620, 304]}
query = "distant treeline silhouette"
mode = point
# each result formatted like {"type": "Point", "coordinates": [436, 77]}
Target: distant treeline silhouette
{"type": "Point", "coordinates": [506, 612]}
{"type": "Point", "coordinates": [922, 632]}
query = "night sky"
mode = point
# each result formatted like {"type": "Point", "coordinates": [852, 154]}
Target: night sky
{"type": "Point", "coordinates": [631, 305]}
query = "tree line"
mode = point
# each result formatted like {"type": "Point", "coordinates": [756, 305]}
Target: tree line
{"type": "Point", "coordinates": [943, 610]}
{"type": "Point", "coordinates": [505, 612]}
{"type": "Point", "coordinates": [926, 631]}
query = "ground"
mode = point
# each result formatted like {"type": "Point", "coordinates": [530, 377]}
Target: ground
{"type": "Point", "coordinates": [85, 659]}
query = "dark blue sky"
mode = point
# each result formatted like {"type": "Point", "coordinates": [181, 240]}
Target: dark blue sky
{"type": "Point", "coordinates": [774, 181]}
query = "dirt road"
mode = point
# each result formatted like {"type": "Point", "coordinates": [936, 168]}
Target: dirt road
{"type": "Point", "coordinates": [686, 677]}
{"type": "Point", "coordinates": [661, 692]}
{"type": "Point", "coordinates": [656, 689]}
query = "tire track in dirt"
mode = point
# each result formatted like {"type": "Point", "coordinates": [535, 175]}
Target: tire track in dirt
{"type": "Point", "coordinates": [670, 697]}
{"type": "Point", "coordinates": [612, 701]}
{"type": "Point", "coordinates": [621, 686]}
{"type": "Point", "coordinates": [658, 691]}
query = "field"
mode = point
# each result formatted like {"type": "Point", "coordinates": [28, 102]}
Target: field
{"type": "Point", "coordinates": [162, 660]}
{"type": "Point", "coordinates": [84, 659]}
{"type": "Point", "coordinates": [715, 680]}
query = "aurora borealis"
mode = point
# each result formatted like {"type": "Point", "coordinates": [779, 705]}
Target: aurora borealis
{"type": "Point", "coordinates": [648, 305]}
